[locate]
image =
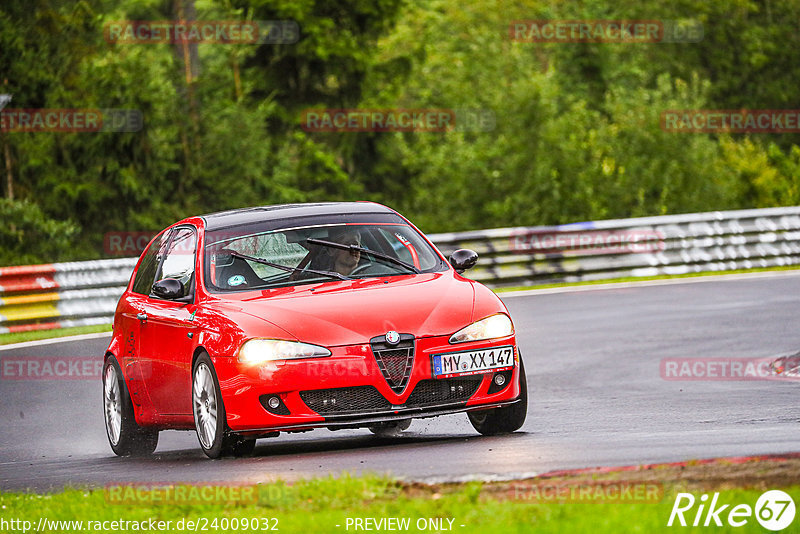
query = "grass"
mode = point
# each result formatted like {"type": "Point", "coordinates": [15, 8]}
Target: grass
{"type": "Point", "coordinates": [19, 337]}
{"type": "Point", "coordinates": [643, 278]}
{"type": "Point", "coordinates": [331, 504]}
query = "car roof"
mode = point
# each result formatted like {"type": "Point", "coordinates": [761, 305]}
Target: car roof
{"type": "Point", "coordinates": [224, 219]}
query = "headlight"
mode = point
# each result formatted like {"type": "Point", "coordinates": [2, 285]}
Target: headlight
{"type": "Point", "coordinates": [493, 326]}
{"type": "Point", "coordinates": [257, 351]}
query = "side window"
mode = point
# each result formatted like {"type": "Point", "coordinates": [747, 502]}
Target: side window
{"type": "Point", "coordinates": [145, 276]}
{"type": "Point", "coordinates": [179, 261]}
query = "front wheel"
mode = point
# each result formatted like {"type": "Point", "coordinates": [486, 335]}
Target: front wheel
{"type": "Point", "coordinates": [208, 409]}
{"type": "Point", "coordinates": [125, 436]}
{"type": "Point", "coordinates": [506, 419]}
{"type": "Point", "coordinates": [209, 415]}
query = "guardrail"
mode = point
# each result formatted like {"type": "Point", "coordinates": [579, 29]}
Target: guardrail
{"type": "Point", "coordinates": [648, 246]}
{"type": "Point", "coordinates": [58, 295]}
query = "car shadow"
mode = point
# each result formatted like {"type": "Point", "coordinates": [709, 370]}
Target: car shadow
{"type": "Point", "coordinates": [267, 448]}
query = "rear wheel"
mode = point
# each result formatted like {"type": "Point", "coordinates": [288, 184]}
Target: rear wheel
{"type": "Point", "coordinates": [125, 436]}
{"type": "Point", "coordinates": [506, 419]}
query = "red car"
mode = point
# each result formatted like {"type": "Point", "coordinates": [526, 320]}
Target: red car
{"type": "Point", "coordinates": [246, 323]}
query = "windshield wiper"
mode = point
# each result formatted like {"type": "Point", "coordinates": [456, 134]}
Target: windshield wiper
{"type": "Point", "coordinates": [379, 255]}
{"type": "Point", "coordinates": [290, 269]}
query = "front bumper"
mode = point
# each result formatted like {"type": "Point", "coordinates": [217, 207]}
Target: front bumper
{"type": "Point", "coordinates": [359, 421]}
{"type": "Point", "coordinates": [305, 387]}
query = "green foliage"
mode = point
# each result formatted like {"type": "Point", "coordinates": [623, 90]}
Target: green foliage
{"type": "Point", "coordinates": [577, 131]}
{"type": "Point", "coordinates": [28, 235]}
{"type": "Point", "coordinates": [327, 504]}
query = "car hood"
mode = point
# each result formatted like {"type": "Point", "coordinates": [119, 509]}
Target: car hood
{"type": "Point", "coordinates": [351, 312]}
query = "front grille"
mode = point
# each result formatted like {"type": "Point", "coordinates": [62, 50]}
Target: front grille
{"type": "Point", "coordinates": [434, 392]}
{"type": "Point", "coordinates": [361, 399]}
{"type": "Point", "coordinates": [345, 400]}
{"type": "Point", "coordinates": [394, 361]}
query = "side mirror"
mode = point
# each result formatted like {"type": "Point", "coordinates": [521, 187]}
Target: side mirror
{"type": "Point", "coordinates": [168, 288]}
{"type": "Point", "coordinates": [463, 259]}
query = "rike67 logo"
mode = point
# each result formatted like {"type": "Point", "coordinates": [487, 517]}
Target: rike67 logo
{"type": "Point", "coordinates": [774, 510]}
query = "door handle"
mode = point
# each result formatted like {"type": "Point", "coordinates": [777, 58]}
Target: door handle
{"type": "Point", "coordinates": [141, 316]}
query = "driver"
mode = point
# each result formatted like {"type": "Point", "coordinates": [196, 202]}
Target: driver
{"type": "Point", "coordinates": [345, 261]}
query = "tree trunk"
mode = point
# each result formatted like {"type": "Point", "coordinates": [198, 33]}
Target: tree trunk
{"type": "Point", "coordinates": [237, 76]}
{"type": "Point", "coordinates": [9, 172]}
{"type": "Point", "coordinates": [187, 56]}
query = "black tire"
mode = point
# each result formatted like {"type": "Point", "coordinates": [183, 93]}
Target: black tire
{"type": "Point", "coordinates": [506, 419]}
{"type": "Point", "coordinates": [125, 436]}
{"type": "Point", "coordinates": [208, 409]}
{"type": "Point", "coordinates": [390, 429]}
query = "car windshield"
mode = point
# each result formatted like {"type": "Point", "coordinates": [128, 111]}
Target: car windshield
{"type": "Point", "coordinates": [246, 257]}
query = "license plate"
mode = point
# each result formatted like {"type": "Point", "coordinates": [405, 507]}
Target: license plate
{"type": "Point", "coordinates": [473, 362]}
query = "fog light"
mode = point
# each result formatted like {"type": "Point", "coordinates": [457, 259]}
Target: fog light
{"type": "Point", "coordinates": [499, 379]}
{"type": "Point", "coordinates": [274, 402]}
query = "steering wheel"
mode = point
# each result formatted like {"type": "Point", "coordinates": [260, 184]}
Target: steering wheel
{"type": "Point", "coordinates": [361, 268]}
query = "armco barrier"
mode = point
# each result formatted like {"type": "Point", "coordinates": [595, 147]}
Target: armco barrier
{"type": "Point", "coordinates": [672, 244]}
{"type": "Point", "coordinates": [58, 295]}
{"type": "Point", "coordinates": [81, 293]}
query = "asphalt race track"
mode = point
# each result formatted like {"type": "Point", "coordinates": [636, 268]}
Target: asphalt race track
{"type": "Point", "coordinates": [596, 399]}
